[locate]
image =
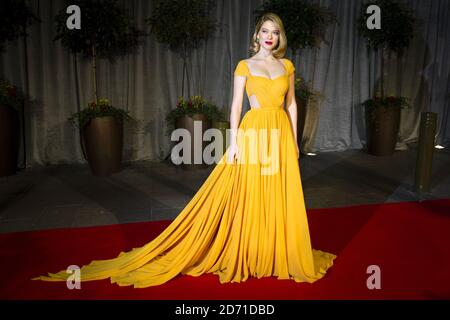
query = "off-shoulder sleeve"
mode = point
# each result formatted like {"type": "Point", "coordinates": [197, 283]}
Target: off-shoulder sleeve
{"type": "Point", "coordinates": [241, 69]}
{"type": "Point", "coordinates": [289, 66]}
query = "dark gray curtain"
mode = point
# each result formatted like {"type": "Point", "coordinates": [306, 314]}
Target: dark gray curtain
{"type": "Point", "coordinates": [149, 82]}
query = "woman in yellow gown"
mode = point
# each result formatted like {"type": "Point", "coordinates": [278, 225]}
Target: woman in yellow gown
{"type": "Point", "coordinates": [249, 216]}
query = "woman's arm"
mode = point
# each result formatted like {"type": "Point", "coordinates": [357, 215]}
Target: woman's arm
{"type": "Point", "coordinates": [235, 116]}
{"type": "Point", "coordinates": [236, 106]}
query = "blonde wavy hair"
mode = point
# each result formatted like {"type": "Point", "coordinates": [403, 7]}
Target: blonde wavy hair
{"type": "Point", "coordinates": [280, 50]}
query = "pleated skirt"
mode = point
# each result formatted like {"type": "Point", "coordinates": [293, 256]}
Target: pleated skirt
{"type": "Point", "coordinates": [248, 219]}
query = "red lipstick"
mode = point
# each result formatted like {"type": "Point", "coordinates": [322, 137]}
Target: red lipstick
{"type": "Point", "coordinates": [269, 42]}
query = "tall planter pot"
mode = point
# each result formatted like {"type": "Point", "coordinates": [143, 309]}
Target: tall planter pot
{"type": "Point", "coordinates": [103, 138]}
{"type": "Point", "coordinates": [187, 122]}
{"type": "Point", "coordinates": [382, 125]}
{"type": "Point", "coordinates": [9, 140]}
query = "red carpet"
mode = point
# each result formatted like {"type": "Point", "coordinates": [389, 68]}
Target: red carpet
{"type": "Point", "coordinates": [410, 242]}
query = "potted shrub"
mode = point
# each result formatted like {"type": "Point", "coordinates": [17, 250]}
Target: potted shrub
{"type": "Point", "coordinates": [383, 113]}
{"type": "Point", "coordinates": [15, 18]}
{"type": "Point", "coordinates": [11, 99]}
{"type": "Point", "coordinates": [383, 120]}
{"type": "Point", "coordinates": [106, 32]}
{"type": "Point", "coordinates": [185, 114]}
{"type": "Point", "coordinates": [193, 27]}
{"type": "Point", "coordinates": [102, 129]}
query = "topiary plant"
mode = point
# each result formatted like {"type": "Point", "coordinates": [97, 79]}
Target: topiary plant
{"type": "Point", "coordinates": [15, 18]}
{"type": "Point", "coordinates": [183, 25]}
{"type": "Point", "coordinates": [396, 32]}
{"type": "Point", "coordinates": [106, 32]}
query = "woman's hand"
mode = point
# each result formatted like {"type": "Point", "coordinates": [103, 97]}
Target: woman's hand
{"type": "Point", "coordinates": [233, 153]}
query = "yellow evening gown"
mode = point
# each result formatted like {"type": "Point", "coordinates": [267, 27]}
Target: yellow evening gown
{"type": "Point", "coordinates": [248, 219]}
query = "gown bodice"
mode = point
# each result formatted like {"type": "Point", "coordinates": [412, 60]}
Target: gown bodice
{"type": "Point", "coordinates": [268, 93]}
